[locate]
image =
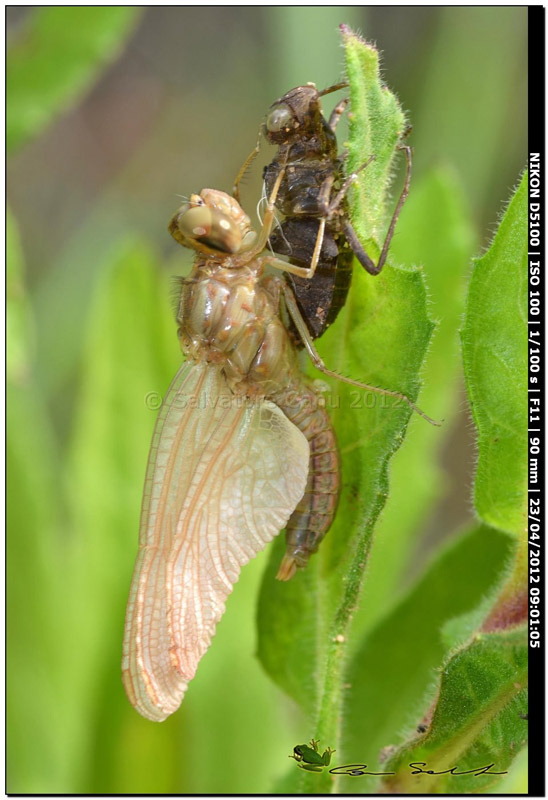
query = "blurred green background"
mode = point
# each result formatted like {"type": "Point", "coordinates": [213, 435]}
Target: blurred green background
{"type": "Point", "coordinates": [111, 113]}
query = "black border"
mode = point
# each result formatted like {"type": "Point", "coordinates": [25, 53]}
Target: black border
{"type": "Point", "coordinates": [536, 144]}
{"type": "Point", "coordinates": [537, 658]}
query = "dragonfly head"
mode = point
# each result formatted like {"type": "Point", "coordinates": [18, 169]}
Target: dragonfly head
{"type": "Point", "coordinates": [212, 222]}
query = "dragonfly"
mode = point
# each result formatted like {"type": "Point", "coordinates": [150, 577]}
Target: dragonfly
{"type": "Point", "coordinates": [243, 446]}
{"type": "Point", "coordinates": [316, 232]}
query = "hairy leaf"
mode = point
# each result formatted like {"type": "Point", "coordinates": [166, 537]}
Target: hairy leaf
{"type": "Point", "coordinates": [376, 124]}
{"type": "Point", "coordinates": [494, 343]}
{"type": "Point", "coordinates": [476, 721]}
{"type": "Point", "coordinates": [394, 668]}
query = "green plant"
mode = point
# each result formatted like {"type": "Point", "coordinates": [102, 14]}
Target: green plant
{"type": "Point", "coordinates": [91, 337]}
{"type": "Point", "coordinates": [304, 629]}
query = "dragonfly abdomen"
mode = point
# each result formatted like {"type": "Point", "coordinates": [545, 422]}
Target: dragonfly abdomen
{"type": "Point", "coordinates": [315, 511]}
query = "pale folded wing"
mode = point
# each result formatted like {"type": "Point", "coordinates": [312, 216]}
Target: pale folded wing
{"type": "Point", "coordinates": [224, 475]}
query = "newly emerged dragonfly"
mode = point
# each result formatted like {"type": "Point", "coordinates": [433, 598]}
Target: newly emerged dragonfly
{"type": "Point", "coordinates": [316, 232]}
{"type": "Point", "coordinates": [242, 447]}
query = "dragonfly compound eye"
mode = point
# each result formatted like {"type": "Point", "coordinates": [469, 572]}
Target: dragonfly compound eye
{"type": "Point", "coordinates": [195, 222]}
{"type": "Point", "coordinates": [279, 119]}
{"type": "Point", "coordinates": [210, 227]}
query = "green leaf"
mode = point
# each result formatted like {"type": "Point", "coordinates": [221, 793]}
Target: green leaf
{"type": "Point", "coordinates": [392, 671]}
{"type": "Point", "coordinates": [494, 342]}
{"type": "Point", "coordinates": [56, 59]}
{"type": "Point", "coordinates": [376, 124]}
{"type": "Point", "coordinates": [476, 720]}
{"type": "Point", "coordinates": [435, 203]}
{"type": "Point", "coordinates": [289, 642]}
{"type": "Point", "coordinates": [381, 337]}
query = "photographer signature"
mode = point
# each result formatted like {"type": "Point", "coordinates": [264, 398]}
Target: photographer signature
{"type": "Point", "coordinates": [416, 768]}
{"type": "Point", "coordinates": [309, 758]}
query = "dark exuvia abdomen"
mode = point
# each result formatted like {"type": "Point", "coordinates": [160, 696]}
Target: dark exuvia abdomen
{"type": "Point", "coordinates": [320, 299]}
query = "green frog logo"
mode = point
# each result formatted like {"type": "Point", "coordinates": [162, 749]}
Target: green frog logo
{"type": "Point", "coordinates": [309, 758]}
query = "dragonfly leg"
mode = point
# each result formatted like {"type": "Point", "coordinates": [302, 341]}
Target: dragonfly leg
{"type": "Point", "coordinates": [270, 215]}
{"type": "Point", "coordinates": [301, 272]}
{"type": "Point", "coordinates": [337, 200]}
{"type": "Point", "coordinates": [337, 113]}
{"type": "Point", "coordinates": [334, 88]}
{"type": "Point", "coordinates": [365, 260]}
{"type": "Point", "coordinates": [300, 324]}
{"type": "Point", "coordinates": [245, 166]}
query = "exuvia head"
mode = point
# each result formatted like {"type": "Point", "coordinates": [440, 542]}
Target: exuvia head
{"type": "Point", "coordinates": [212, 222]}
{"type": "Point", "coordinates": [298, 113]}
